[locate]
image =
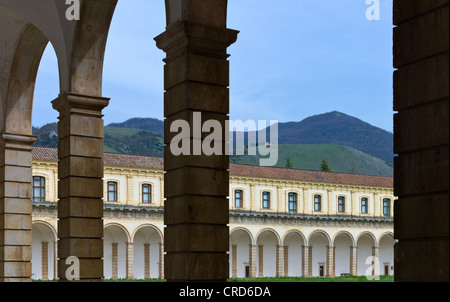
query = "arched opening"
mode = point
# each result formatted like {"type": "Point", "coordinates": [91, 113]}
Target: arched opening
{"type": "Point", "coordinates": [343, 244]}
{"type": "Point", "coordinates": [114, 251]}
{"type": "Point", "coordinates": [365, 244]}
{"type": "Point", "coordinates": [293, 254]}
{"type": "Point", "coordinates": [147, 242]}
{"type": "Point", "coordinates": [318, 243]}
{"type": "Point", "coordinates": [386, 254]}
{"type": "Point", "coordinates": [43, 260]}
{"type": "Point", "coordinates": [240, 248]}
{"type": "Point", "coordinates": [267, 248]}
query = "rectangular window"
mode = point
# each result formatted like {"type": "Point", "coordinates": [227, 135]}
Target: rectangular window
{"type": "Point", "coordinates": [38, 189]}
{"type": "Point", "coordinates": [364, 205]}
{"type": "Point", "coordinates": [292, 203]}
{"type": "Point", "coordinates": [146, 193]}
{"type": "Point", "coordinates": [112, 191]}
{"type": "Point", "coordinates": [386, 207]}
{"type": "Point", "coordinates": [317, 203]}
{"type": "Point", "coordinates": [266, 200]}
{"type": "Point", "coordinates": [238, 198]}
{"type": "Point", "coordinates": [341, 204]}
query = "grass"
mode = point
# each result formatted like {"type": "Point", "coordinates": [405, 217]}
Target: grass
{"type": "Point", "coordinates": [271, 279]}
{"type": "Point", "coordinates": [314, 279]}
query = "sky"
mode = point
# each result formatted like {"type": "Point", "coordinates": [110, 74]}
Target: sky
{"type": "Point", "coordinates": [292, 59]}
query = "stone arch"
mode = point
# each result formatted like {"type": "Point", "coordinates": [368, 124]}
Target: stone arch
{"type": "Point", "coordinates": [147, 252]}
{"type": "Point", "coordinates": [293, 243]}
{"type": "Point", "coordinates": [91, 33]}
{"type": "Point", "coordinates": [115, 240]}
{"type": "Point", "coordinates": [241, 243]}
{"type": "Point", "coordinates": [386, 253]}
{"type": "Point", "coordinates": [43, 249]}
{"type": "Point", "coordinates": [366, 243]}
{"type": "Point", "coordinates": [268, 242]}
{"type": "Point", "coordinates": [318, 243]}
{"type": "Point", "coordinates": [343, 243]}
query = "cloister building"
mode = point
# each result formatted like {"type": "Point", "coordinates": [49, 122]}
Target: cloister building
{"type": "Point", "coordinates": [198, 220]}
{"type": "Point", "coordinates": [283, 222]}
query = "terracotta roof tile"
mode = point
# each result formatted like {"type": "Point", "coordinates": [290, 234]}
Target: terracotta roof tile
{"type": "Point", "coordinates": [149, 162]}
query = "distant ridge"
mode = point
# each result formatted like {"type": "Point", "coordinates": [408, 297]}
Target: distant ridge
{"type": "Point", "coordinates": [349, 144]}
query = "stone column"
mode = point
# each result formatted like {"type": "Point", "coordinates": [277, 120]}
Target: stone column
{"type": "Point", "coordinates": [252, 260]}
{"type": "Point", "coordinates": [55, 260]}
{"type": "Point", "coordinates": [278, 254]}
{"type": "Point", "coordinates": [330, 261]}
{"type": "Point", "coordinates": [234, 261]}
{"type": "Point", "coordinates": [114, 260]}
{"type": "Point", "coordinates": [80, 185]}
{"type": "Point", "coordinates": [260, 261]}
{"type": "Point", "coordinates": [305, 261]}
{"type": "Point", "coordinates": [375, 260]}
{"type": "Point", "coordinates": [146, 260]}
{"type": "Point", "coordinates": [421, 140]}
{"type": "Point", "coordinates": [310, 260]}
{"type": "Point", "coordinates": [15, 207]}
{"type": "Point", "coordinates": [196, 80]}
{"type": "Point", "coordinates": [286, 260]}
{"type": "Point", "coordinates": [44, 260]}
{"type": "Point", "coordinates": [130, 260]}
{"type": "Point", "coordinates": [161, 260]}
{"type": "Point", "coordinates": [353, 260]}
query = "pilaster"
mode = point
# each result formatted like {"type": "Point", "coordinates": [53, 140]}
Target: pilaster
{"type": "Point", "coordinates": [196, 213]}
{"type": "Point", "coordinates": [15, 207]}
{"type": "Point", "coordinates": [80, 185]}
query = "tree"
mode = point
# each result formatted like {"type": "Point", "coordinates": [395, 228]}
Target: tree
{"type": "Point", "coordinates": [288, 163]}
{"type": "Point", "coordinates": [325, 166]}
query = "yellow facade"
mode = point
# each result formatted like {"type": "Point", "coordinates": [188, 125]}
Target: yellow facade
{"type": "Point", "coordinates": [271, 237]}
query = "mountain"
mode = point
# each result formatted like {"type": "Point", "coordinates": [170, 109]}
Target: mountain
{"type": "Point", "coordinates": [336, 128]}
{"type": "Point", "coordinates": [341, 159]}
{"type": "Point", "coordinates": [347, 143]}
{"type": "Point", "coordinates": [149, 124]}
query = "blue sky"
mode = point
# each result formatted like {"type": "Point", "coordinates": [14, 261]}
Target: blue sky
{"type": "Point", "coordinates": [292, 59]}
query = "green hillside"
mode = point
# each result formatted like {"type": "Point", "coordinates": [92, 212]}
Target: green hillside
{"type": "Point", "coordinates": [309, 157]}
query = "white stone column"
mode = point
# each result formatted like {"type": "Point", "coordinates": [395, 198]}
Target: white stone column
{"type": "Point", "coordinates": [130, 260]}
{"type": "Point", "coordinates": [252, 260]}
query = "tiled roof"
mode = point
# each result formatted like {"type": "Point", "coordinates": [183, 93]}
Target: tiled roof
{"type": "Point", "coordinates": [148, 162]}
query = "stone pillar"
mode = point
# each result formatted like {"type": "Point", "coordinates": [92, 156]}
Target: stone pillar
{"type": "Point", "coordinates": [260, 261]}
{"type": "Point", "coordinates": [375, 260]}
{"type": "Point", "coordinates": [286, 260]}
{"type": "Point", "coordinates": [44, 260]}
{"type": "Point", "coordinates": [15, 207]}
{"type": "Point", "coordinates": [161, 260]}
{"type": "Point", "coordinates": [80, 185]}
{"type": "Point", "coordinates": [234, 261]}
{"type": "Point", "coordinates": [278, 263]}
{"type": "Point", "coordinates": [310, 260]}
{"type": "Point", "coordinates": [252, 260]}
{"type": "Point", "coordinates": [196, 80]}
{"type": "Point", "coordinates": [330, 261]}
{"type": "Point", "coordinates": [130, 260]}
{"type": "Point", "coordinates": [305, 261]}
{"type": "Point", "coordinates": [146, 260]}
{"type": "Point", "coordinates": [55, 260]}
{"type": "Point", "coordinates": [421, 140]}
{"type": "Point", "coordinates": [114, 259]}
{"type": "Point", "coordinates": [130, 189]}
{"type": "Point", "coordinates": [353, 260]}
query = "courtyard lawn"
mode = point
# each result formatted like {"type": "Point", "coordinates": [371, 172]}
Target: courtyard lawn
{"type": "Point", "coordinates": [315, 279]}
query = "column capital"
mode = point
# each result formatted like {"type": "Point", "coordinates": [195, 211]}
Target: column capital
{"type": "Point", "coordinates": [17, 141]}
{"type": "Point", "coordinates": [196, 38]}
{"type": "Point", "coordinates": [72, 103]}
